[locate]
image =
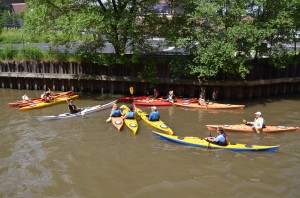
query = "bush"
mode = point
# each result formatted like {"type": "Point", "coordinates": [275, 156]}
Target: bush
{"type": "Point", "coordinates": [30, 53]}
{"type": "Point", "coordinates": [11, 36]}
{"type": "Point", "coordinates": [8, 52]}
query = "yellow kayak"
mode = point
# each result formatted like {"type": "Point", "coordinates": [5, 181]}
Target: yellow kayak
{"type": "Point", "coordinates": [199, 142]}
{"type": "Point", "coordinates": [46, 104]}
{"type": "Point", "coordinates": [130, 123]}
{"type": "Point", "coordinates": [156, 124]}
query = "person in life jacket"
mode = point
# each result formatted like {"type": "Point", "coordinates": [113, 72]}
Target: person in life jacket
{"type": "Point", "coordinates": [154, 115]}
{"type": "Point", "coordinates": [259, 123]}
{"type": "Point", "coordinates": [155, 94]}
{"type": "Point", "coordinates": [171, 97]}
{"type": "Point", "coordinates": [115, 111]}
{"type": "Point", "coordinates": [130, 114]}
{"type": "Point", "coordinates": [25, 97]}
{"type": "Point", "coordinates": [201, 100]}
{"type": "Point", "coordinates": [72, 107]}
{"type": "Point", "coordinates": [220, 139]}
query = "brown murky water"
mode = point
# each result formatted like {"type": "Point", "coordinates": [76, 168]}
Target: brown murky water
{"type": "Point", "coordinates": [87, 157]}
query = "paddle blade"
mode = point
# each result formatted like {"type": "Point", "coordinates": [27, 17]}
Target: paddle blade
{"type": "Point", "coordinates": [131, 90]}
{"type": "Point", "coordinates": [108, 119]}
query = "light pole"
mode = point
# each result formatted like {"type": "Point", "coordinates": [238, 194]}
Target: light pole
{"type": "Point", "coordinates": [22, 36]}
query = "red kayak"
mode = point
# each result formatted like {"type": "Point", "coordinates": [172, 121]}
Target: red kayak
{"type": "Point", "coordinates": [37, 100]}
{"type": "Point", "coordinates": [130, 99]}
{"type": "Point", "coordinates": [152, 102]}
{"type": "Point", "coordinates": [17, 103]}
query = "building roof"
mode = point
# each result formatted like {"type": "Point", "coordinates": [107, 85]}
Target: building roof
{"type": "Point", "coordinates": [16, 6]}
{"type": "Point", "coordinates": [14, 1]}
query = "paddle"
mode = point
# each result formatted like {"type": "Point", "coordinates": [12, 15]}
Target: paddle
{"type": "Point", "coordinates": [208, 146]}
{"type": "Point", "coordinates": [256, 130]}
{"type": "Point", "coordinates": [131, 91]}
{"type": "Point", "coordinates": [108, 119]}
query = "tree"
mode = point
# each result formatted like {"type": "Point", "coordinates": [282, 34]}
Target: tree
{"type": "Point", "coordinates": [3, 13]}
{"type": "Point", "coordinates": [221, 35]}
{"type": "Point", "coordinates": [125, 25]}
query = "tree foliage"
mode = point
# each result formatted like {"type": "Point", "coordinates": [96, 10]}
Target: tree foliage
{"type": "Point", "coordinates": [3, 12]}
{"type": "Point", "coordinates": [120, 26]}
{"type": "Point", "coordinates": [216, 37]}
{"type": "Point", "coordinates": [221, 35]}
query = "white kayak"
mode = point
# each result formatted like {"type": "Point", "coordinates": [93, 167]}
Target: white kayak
{"type": "Point", "coordinates": [82, 112]}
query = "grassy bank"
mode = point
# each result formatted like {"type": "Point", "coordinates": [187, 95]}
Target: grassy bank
{"type": "Point", "coordinates": [15, 36]}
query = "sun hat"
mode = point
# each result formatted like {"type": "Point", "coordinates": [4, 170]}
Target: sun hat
{"type": "Point", "coordinates": [154, 107]}
{"type": "Point", "coordinates": [258, 113]}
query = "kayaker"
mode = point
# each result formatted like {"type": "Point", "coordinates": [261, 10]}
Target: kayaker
{"type": "Point", "coordinates": [201, 100]}
{"type": "Point", "coordinates": [25, 97]}
{"type": "Point", "coordinates": [49, 91]}
{"type": "Point", "coordinates": [220, 139]}
{"type": "Point", "coordinates": [130, 114]}
{"type": "Point", "coordinates": [49, 95]}
{"type": "Point", "coordinates": [44, 97]}
{"type": "Point", "coordinates": [72, 107]}
{"type": "Point", "coordinates": [155, 93]}
{"type": "Point", "coordinates": [259, 122]}
{"type": "Point", "coordinates": [171, 97]}
{"type": "Point", "coordinates": [115, 112]}
{"type": "Point", "coordinates": [154, 115]}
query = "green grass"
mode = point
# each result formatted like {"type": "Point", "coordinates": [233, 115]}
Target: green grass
{"type": "Point", "coordinates": [14, 36]}
{"type": "Point", "coordinates": [7, 52]}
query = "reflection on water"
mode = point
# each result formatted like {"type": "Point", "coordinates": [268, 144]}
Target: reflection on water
{"type": "Point", "coordinates": [87, 157]}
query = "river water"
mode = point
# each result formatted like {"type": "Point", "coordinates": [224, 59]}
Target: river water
{"type": "Point", "coordinates": [87, 157]}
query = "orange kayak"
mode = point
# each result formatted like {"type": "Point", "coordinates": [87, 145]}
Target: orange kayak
{"type": "Point", "coordinates": [246, 128]}
{"type": "Point", "coordinates": [117, 122]}
{"type": "Point", "coordinates": [212, 106]}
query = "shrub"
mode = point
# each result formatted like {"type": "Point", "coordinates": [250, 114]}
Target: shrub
{"type": "Point", "coordinates": [7, 52]}
{"type": "Point", "coordinates": [30, 53]}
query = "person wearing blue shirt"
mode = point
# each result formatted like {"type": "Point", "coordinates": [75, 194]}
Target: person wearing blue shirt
{"type": "Point", "coordinates": [115, 112]}
{"type": "Point", "coordinates": [130, 114]}
{"type": "Point", "coordinates": [220, 139]}
{"type": "Point", "coordinates": [154, 115]}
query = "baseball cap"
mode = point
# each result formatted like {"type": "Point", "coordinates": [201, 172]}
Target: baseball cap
{"type": "Point", "coordinates": [154, 107]}
{"type": "Point", "coordinates": [258, 113]}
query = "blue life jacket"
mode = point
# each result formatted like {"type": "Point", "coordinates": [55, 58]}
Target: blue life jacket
{"type": "Point", "coordinates": [156, 115]}
{"type": "Point", "coordinates": [130, 115]}
{"type": "Point", "coordinates": [116, 113]}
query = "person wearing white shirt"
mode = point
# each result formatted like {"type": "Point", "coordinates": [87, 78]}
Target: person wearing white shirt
{"type": "Point", "coordinates": [259, 123]}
